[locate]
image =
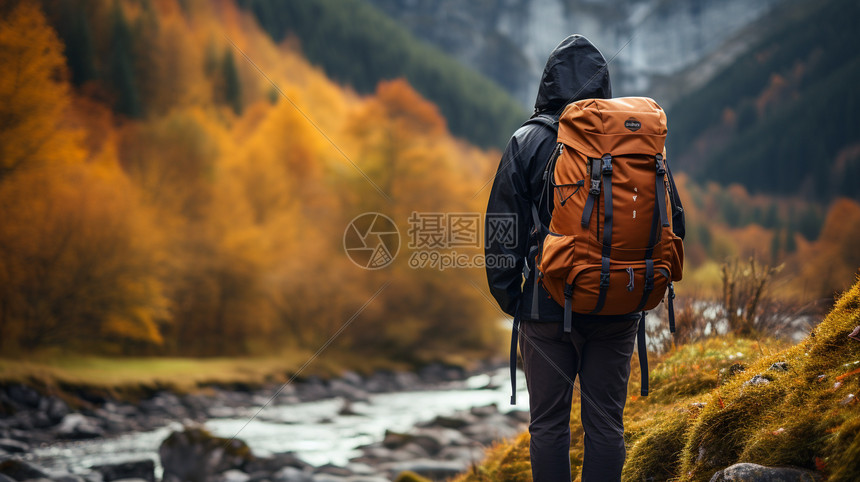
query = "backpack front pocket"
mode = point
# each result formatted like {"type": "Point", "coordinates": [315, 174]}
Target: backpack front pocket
{"type": "Point", "coordinates": [556, 259]}
{"type": "Point", "coordinates": [628, 289]}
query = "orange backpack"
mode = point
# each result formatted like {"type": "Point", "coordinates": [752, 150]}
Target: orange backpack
{"type": "Point", "coordinates": [610, 248]}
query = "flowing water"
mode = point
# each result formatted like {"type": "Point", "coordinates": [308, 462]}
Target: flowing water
{"type": "Point", "coordinates": [314, 431]}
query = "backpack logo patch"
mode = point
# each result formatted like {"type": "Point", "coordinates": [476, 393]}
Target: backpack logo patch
{"type": "Point", "coordinates": [632, 124]}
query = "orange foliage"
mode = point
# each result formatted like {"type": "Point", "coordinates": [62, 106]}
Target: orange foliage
{"type": "Point", "coordinates": [196, 230]}
{"type": "Point", "coordinates": [828, 265]}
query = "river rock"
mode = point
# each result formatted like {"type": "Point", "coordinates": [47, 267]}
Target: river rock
{"type": "Point", "coordinates": [291, 474]}
{"type": "Point", "coordinates": [746, 472]}
{"type": "Point", "coordinates": [6, 478]}
{"type": "Point", "coordinates": [332, 469]}
{"type": "Point", "coordinates": [474, 453]}
{"type": "Point", "coordinates": [275, 463]}
{"type": "Point", "coordinates": [164, 403]}
{"type": "Point", "coordinates": [54, 408]}
{"type": "Point", "coordinates": [23, 396]}
{"type": "Point", "coordinates": [76, 426]}
{"type": "Point", "coordinates": [13, 446]}
{"type": "Point", "coordinates": [519, 416]}
{"type": "Point", "coordinates": [756, 380]}
{"type": "Point", "coordinates": [20, 470]}
{"type": "Point", "coordinates": [339, 388]}
{"type": "Point", "coordinates": [73, 478]}
{"type": "Point", "coordinates": [360, 469]}
{"type": "Point", "coordinates": [136, 469]}
{"type": "Point", "coordinates": [435, 373]}
{"type": "Point", "coordinates": [406, 381]}
{"type": "Point", "coordinates": [491, 429]}
{"type": "Point", "coordinates": [232, 475]}
{"type": "Point", "coordinates": [456, 422]}
{"type": "Point", "coordinates": [484, 411]}
{"type": "Point", "coordinates": [432, 469]}
{"type": "Point", "coordinates": [194, 454]}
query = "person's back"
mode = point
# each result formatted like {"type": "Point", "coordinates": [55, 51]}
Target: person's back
{"type": "Point", "coordinates": [598, 348]}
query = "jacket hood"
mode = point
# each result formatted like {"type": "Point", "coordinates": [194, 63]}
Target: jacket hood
{"type": "Point", "coordinates": [575, 70]}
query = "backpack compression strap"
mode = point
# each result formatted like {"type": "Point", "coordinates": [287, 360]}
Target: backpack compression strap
{"type": "Point", "coordinates": [607, 232]}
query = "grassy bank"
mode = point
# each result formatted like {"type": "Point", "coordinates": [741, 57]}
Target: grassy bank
{"type": "Point", "coordinates": [705, 412]}
{"type": "Point", "coordinates": [132, 378]}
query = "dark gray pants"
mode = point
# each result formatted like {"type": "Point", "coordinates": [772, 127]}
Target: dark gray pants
{"type": "Point", "coordinates": [599, 353]}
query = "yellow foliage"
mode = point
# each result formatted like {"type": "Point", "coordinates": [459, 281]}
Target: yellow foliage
{"type": "Point", "coordinates": [33, 94]}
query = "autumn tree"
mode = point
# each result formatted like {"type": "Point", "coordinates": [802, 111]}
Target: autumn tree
{"type": "Point", "coordinates": [33, 94]}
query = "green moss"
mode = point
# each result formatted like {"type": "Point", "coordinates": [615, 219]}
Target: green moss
{"type": "Point", "coordinates": [409, 476]}
{"type": "Point", "coordinates": [656, 453]}
{"type": "Point", "coordinates": [842, 461]}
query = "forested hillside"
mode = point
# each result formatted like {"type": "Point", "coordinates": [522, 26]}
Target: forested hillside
{"type": "Point", "coordinates": [360, 46]}
{"type": "Point", "coordinates": [159, 196]}
{"type": "Point", "coordinates": [782, 119]}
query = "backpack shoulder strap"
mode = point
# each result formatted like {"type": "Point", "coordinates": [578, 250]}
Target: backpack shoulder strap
{"type": "Point", "coordinates": [678, 222]}
{"type": "Point", "coordinates": [545, 120]}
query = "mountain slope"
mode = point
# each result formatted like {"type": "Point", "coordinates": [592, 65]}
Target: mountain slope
{"type": "Point", "coordinates": [360, 46]}
{"type": "Point", "coordinates": [781, 119]}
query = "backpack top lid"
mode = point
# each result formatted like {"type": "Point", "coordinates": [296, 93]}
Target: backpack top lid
{"type": "Point", "coordinates": [622, 126]}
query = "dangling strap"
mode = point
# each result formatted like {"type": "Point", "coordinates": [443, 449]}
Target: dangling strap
{"type": "Point", "coordinates": [649, 284]}
{"type": "Point", "coordinates": [593, 192]}
{"type": "Point", "coordinates": [540, 232]}
{"type": "Point", "coordinates": [515, 335]}
{"type": "Point", "coordinates": [671, 308]}
{"type": "Point", "coordinates": [568, 307]}
{"type": "Point", "coordinates": [661, 190]}
{"type": "Point", "coordinates": [607, 232]}
{"type": "Point", "coordinates": [643, 356]}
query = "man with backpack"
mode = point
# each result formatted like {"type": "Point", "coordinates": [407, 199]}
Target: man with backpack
{"type": "Point", "coordinates": [570, 329]}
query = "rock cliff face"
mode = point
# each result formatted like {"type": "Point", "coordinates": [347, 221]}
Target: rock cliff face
{"type": "Point", "coordinates": [651, 40]}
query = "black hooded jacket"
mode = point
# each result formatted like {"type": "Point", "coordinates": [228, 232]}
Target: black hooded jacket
{"type": "Point", "coordinates": [575, 70]}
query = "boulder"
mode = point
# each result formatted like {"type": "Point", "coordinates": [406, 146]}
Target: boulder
{"type": "Point", "coordinates": [135, 469]}
{"type": "Point", "coordinates": [746, 472]}
{"type": "Point", "coordinates": [195, 455]}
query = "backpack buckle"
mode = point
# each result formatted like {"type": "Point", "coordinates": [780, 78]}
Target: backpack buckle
{"type": "Point", "coordinates": [661, 169]}
{"type": "Point", "coordinates": [607, 164]}
{"type": "Point", "coordinates": [594, 167]}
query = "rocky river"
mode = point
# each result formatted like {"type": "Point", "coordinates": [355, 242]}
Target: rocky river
{"type": "Point", "coordinates": [436, 423]}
